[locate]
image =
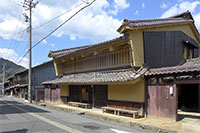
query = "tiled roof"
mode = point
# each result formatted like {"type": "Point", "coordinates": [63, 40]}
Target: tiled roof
{"type": "Point", "coordinates": [22, 85]}
{"type": "Point", "coordinates": [191, 65]}
{"type": "Point", "coordinates": [184, 17]}
{"type": "Point", "coordinates": [150, 22]}
{"type": "Point", "coordinates": [47, 82]}
{"type": "Point", "coordinates": [102, 77]}
{"type": "Point", "coordinates": [64, 52]}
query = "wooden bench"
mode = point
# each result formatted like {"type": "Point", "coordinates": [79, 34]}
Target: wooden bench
{"type": "Point", "coordinates": [78, 104]}
{"type": "Point", "coordinates": [117, 111]}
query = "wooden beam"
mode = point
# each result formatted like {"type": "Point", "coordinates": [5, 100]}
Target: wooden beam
{"type": "Point", "coordinates": [194, 81]}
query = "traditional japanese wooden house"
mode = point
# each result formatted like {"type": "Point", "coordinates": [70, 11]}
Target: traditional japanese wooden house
{"type": "Point", "coordinates": [41, 73]}
{"type": "Point", "coordinates": [111, 73]}
{"type": "Point", "coordinates": [22, 84]}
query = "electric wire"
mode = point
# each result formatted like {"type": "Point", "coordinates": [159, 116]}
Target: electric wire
{"type": "Point", "coordinates": [57, 28]}
{"type": "Point", "coordinates": [13, 41]}
{"type": "Point", "coordinates": [56, 17]}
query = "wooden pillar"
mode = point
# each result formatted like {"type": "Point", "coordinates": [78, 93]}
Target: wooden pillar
{"type": "Point", "coordinates": [146, 97]}
{"type": "Point", "coordinates": [93, 97]}
{"type": "Point", "coordinates": [176, 100]}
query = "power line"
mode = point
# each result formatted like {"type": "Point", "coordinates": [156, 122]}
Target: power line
{"type": "Point", "coordinates": [12, 42]}
{"type": "Point", "coordinates": [57, 28]}
{"type": "Point", "coordinates": [57, 17]}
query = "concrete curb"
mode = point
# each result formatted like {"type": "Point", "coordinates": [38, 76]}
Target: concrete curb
{"type": "Point", "coordinates": [110, 119]}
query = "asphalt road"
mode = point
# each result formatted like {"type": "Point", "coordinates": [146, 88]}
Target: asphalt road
{"type": "Point", "coordinates": [19, 117]}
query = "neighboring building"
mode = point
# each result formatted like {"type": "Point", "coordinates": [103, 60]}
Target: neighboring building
{"type": "Point", "coordinates": [10, 85]}
{"type": "Point", "coordinates": [41, 73]}
{"type": "Point", "coordinates": [22, 84]}
{"type": "Point", "coordinates": [111, 73]}
{"type": "Point", "coordinates": [18, 83]}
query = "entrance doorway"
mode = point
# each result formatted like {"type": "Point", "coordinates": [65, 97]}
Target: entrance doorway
{"type": "Point", "coordinates": [96, 95]}
{"type": "Point", "coordinates": [188, 97]}
{"type": "Point", "coordinates": [188, 101]}
{"type": "Point", "coordinates": [100, 95]}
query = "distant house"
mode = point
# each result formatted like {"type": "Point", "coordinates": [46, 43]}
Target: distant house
{"type": "Point", "coordinates": [18, 83]}
{"type": "Point", "coordinates": [112, 73]}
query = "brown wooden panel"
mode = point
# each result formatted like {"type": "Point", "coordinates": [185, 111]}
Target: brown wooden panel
{"type": "Point", "coordinates": [160, 102]}
{"type": "Point", "coordinates": [47, 95]}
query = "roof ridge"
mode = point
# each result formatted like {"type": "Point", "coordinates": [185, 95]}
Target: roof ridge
{"type": "Point", "coordinates": [126, 21]}
{"type": "Point", "coordinates": [70, 48]}
{"type": "Point", "coordinates": [177, 16]}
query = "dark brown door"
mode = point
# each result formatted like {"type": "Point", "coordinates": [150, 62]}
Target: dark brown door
{"type": "Point", "coordinates": [100, 95]}
{"type": "Point", "coordinates": [75, 93]}
{"type": "Point", "coordinates": [161, 103]}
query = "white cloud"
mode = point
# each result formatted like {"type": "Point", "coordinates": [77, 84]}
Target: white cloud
{"type": "Point", "coordinates": [94, 23]}
{"type": "Point", "coordinates": [163, 6]}
{"type": "Point", "coordinates": [197, 20]}
{"type": "Point", "coordinates": [44, 41]}
{"type": "Point", "coordinates": [52, 44]}
{"type": "Point", "coordinates": [182, 7]}
{"type": "Point", "coordinates": [136, 12]}
{"type": "Point", "coordinates": [179, 8]}
{"type": "Point", "coordinates": [143, 5]}
{"type": "Point", "coordinates": [11, 55]}
{"type": "Point", "coordinates": [119, 5]}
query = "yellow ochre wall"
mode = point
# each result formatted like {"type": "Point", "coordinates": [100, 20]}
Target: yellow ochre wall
{"type": "Point", "coordinates": [56, 68]}
{"type": "Point", "coordinates": [136, 42]}
{"type": "Point", "coordinates": [127, 92]}
{"type": "Point", "coordinates": [64, 90]}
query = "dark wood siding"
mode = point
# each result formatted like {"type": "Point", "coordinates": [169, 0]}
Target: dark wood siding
{"type": "Point", "coordinates": [41, 73]}
{"type": "Point", "coordinates": [165, 48]}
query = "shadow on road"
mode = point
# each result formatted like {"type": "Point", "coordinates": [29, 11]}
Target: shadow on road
{"type": "Point", "coordinates": [7, 108]}
{"type": "Point", "coordinates": [17, 131]}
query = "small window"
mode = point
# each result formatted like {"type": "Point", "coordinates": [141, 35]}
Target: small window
{"type": "Point", "coordinates": [188, 52]}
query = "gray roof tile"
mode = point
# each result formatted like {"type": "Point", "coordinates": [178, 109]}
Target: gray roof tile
{"type": "Point", "coordinates": [191, 65]}
{"type": "Point", "coordinates": [102, 77]}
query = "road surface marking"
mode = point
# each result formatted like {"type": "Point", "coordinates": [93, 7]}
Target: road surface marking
{"type": "Point", "coordinates": [61, 126]}
{"type": "Point", "coordinates": [119, 131]}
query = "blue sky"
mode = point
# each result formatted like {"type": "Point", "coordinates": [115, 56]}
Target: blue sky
{"type": "Point", "coordinates": [95, 24]}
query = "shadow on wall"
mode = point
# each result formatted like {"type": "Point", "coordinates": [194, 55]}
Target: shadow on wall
{"type": "Point", "coordinates": [17, 131]}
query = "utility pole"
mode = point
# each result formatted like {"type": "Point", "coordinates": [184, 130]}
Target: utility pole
{"type": "Point", "coordinates": [4, 71]}
{"type": "Point", "coordinates": [28, 5]}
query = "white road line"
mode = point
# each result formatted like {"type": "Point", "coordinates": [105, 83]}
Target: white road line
{"type": "Point", "coordinates": [119, 131]}
{"type": "Point", "coordinates": [61, 126]}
